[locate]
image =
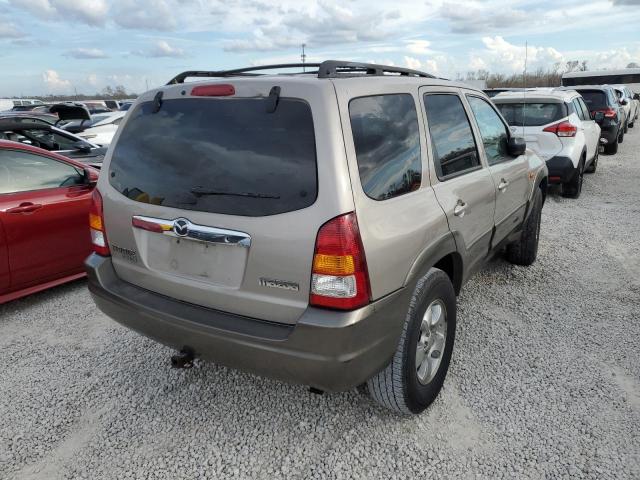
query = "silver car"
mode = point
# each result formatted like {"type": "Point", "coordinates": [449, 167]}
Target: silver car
{"type": "Point", "coordinates": [315, 227]}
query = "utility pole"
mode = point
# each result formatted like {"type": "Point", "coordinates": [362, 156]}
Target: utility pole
{"type": "Point", "coordinates": [303, 57]}
{"type": "Point", "coordinates": [147, 82]}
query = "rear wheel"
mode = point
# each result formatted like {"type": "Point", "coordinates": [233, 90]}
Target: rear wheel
{"type": "Point", "coordinates": [573, 187]}
{"type": "Point", "coordinates": [611, 148]}
{"type": "Point", "coordinates": [621, 136]}
{"type": "Point", "coordinates": [594, 163]}
{"type": "Point", "coordinates": [632, 123]}
{"type": "Point", "coordinates": [525, 250]}
{"type": "Point", "coordinates": [416, 373]}
{"type": "Point", "coordinates": [626, 127]}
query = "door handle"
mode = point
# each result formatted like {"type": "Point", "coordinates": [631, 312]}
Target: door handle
{"type": "Point", "coordinates": [502, 186]}
{"type": "Point", "coordinates": [25, 207]}
{"type": "Point", "coordinates": [460, 209]}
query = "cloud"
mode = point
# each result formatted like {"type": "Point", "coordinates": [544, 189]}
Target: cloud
{"type": "Point", "coordinates": [420, 47]}
{"type": "Point", "coordinates": [147, 15]}
{"type": "Point", "coordinates": [86, 53]}
{"type": "Point", "coordinates": [473, 17]}
{"type": "Point", "coordinates": [161, 48]}
{"type": "Point", "coordinates": [500, 55]}
{"type": "Point", "coordinates": [54, 83]}
{"type": "Point", "coordinates": [91, 12]}
{"type": "Point", "coordinates": [9, 30]}
{"type": "Point", "coordinates": [412, 63]}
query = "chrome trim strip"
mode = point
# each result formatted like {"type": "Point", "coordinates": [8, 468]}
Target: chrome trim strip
{"type": "Point", "coordinates": [201, 233]}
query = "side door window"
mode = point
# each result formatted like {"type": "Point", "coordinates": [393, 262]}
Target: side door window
{"type": "Point", "coordinates": [454, 147]}
{"type": "Point", "coordinates": [492, 130]}
{"type": "Point", "coordinates": [585, 110]}
{"type": "Point", "coordinates": [24, 171]}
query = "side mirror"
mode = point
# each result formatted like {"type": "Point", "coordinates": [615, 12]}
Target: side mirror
{"type": "Point", "coordinates": [623, 101]}
{"type": "Point", "coordinates": [82, 147]}
{"type": "Point", "coordinates": [598, 117]}
{"type": "Point", "coordinates": [89, 177]}
{"type": "Point", "coordinates": [516, 146]}
{"type": "Point", "coordinates": [636, 96]}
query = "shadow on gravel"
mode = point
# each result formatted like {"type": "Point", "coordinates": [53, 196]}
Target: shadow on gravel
{"type": "Point", "coordinates": [41, 298]}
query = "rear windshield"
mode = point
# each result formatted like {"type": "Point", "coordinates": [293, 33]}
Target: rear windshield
{"type": "Point", "coordinates": [595, 99]}
{"type": "Point", "coordinates": [218, 155]}
{"type": "Point", "coordinates": [532, 114]}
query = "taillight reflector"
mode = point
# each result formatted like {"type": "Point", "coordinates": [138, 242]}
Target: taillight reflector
{"type": "Point", "coordinates": [562, 129]}
{"type": "Point", "coordinates": [96, 226]}
{"type": "Point", "coordinates": [339, 277]}
{"type": "Point", "coordinates": [222, 90]}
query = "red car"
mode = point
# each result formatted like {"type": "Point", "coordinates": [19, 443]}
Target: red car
{"type": "Point", "coordinates": [44, 211]}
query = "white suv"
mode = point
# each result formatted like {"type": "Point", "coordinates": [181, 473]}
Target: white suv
{"type": "Point", "coordinates": [557, 126]}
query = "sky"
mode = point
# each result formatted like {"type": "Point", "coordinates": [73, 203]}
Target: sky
{"type": "Point", "coordinates": [67, 46]}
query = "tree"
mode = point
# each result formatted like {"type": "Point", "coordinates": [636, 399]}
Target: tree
{"type": "Point", "coordinates": [633, 65]}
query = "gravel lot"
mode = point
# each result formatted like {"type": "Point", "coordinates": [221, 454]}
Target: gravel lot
{"type": "Point", "coordinates": [544, 383]}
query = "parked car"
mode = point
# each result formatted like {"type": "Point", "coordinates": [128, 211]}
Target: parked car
{"type": "Point", "coordinates": [556, 124]}
{"type": "Point", "coordinates": [625, 105]}
{"type": "Point", "coordinates": [49, 118]}
{"type": "Point", "coordinates": [79, 126]}
{"type": "Point", "coordinates": [602, 98]}
{"type": "Point", "coordinates": [632, 105]}
{"type": "Point", "coordinates": [126, 105]}
{"type": "Point", "coordinates": [102, 132]}
{"type": "Point", "coordinates": [35, 132]}
{"type": "Point", "coordinates": [44, 233]}
{"type": "Point", "coordinates": [301, 227]}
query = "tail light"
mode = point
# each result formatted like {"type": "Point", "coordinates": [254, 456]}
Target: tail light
{"type": "Point", "coordinates": [219, 90]}
{"type": "Point", "coordinates": [608, 112]}
{"type": "Point", "coordinates": [96, 226]}
{"type": "Point", "coordinates": [339, 277]}
{"type": "Point", "coordinates": [562, 129]}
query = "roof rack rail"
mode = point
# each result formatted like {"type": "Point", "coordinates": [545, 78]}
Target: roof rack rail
{"type": "Point", "coordinates": [326, 69]}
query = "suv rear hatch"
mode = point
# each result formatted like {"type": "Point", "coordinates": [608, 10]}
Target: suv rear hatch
{"type": "Point", "coordinates": [529, 119]}
{"type": "Point", "coordinates": [216, 200]}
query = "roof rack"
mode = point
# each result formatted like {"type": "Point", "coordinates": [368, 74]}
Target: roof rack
{"type": "Point", "coordinates": [326, 69]}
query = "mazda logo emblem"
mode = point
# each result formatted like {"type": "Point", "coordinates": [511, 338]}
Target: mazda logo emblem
{"type": "Point", "coordinates": [181, 227]}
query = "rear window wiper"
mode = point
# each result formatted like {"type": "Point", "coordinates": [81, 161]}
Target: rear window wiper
{"type": "Point", "coordinates": [201, 191]}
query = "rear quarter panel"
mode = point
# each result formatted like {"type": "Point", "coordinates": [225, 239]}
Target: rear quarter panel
{"type": "Point", "coordinates": [395, 232]}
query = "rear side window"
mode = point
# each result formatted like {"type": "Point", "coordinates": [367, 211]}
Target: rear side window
{"type": "Point", "coordinates": [387, 142]}
{"type": "Point", "coordinates": [454, 147]}
{"type": "Point", "coordinates": [595, 99]}
{"type": "Point", "coordinates": [578, 109]}
{"type": "Point", "coordinates": [219, 155]}
{"type": "Point", "coordinates": [532, 114]}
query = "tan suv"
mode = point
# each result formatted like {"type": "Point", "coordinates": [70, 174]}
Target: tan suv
{"type": "Point", "coordinates": [314, 227]}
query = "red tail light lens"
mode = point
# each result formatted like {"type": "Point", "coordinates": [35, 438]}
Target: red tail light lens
{"type": "Point", "coordinates": [96, 226]}
{"type": "Point", "coordinates": [610, 113]}
{"type": "Point", "coordinates": [562, 129]}
{"type": "Point", "coordinates": [222, 90]}
{"type": "Point", "coordinates": [340, 278]}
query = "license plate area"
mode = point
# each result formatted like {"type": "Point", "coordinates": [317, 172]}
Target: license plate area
{"type": "Point", "coordinates": [219, 265]}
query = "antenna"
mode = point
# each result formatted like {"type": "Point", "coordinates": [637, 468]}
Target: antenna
{"type": "Point", "coordinates": [524, 83]}
{"type": "Point", "coordinates": [303, 57]}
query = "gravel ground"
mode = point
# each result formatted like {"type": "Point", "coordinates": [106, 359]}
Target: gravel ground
{"type": "Point", "coordinates": [544, 383]}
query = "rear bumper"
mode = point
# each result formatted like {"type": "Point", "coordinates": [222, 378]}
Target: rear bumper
{"type": "Point", "coordinates": [561, 169]}
{"type": "Point", "coordinates": [325, 349]}
{"type": "Point", "coordinates": [609, 132]}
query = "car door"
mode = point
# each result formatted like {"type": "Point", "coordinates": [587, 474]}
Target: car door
{"type": "Point", "coordinates": [5, 277]}
{"type": "Point", "coordinates": [510, 174]}
{"type": "Point", "coordinates": [461, 181]}
{"type": "Point", "coordinates": [592, 130]}
{"type": "Point", "coordinates": [44, 209]}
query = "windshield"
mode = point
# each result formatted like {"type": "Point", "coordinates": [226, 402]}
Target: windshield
{"type": "Point", "coordinates": [532, 114]}
{"type": "Point", "coordinates": [218, 155]}
{"type": "Point", "coordinates": [595, 99]}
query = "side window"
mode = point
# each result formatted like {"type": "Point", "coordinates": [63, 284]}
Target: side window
{"type": "Point", "coordinates": [23, 171]}
{"type": "Point", "coordinates": [387, 142]}
{"type": "Point", "coordinates": [454, 147]}
{"type": "Point", "coordinates": [492, 129]}
{"type": "Point", "coordinates": [578, 109]}
{"type": "Point", "coordinates": [585, 110]}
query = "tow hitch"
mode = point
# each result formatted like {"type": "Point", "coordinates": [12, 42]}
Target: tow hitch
{"type": "Point", "coordinates": [184, 359]}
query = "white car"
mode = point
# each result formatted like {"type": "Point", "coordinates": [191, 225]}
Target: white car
{"type": "Point", "coordinates": [557, 126]}
{"type": "Point", "coordinates": [102, 132]}
{"type": "Point", "coordinates": [632, 108]}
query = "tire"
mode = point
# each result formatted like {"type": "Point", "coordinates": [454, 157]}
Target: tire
{"type": "Point", "coordinates": [626, 127]}
{"type": "Point", "coordinates": [621, 136]}
{"type": "Point", "coordinates": [398, 386]}
{"type": "Point", "coordinates": [611, 148]}
{"type": "Point", "coordinates": [525, 250]}
{"type": "Point", "coordinates": [594, 163]}
{"type": "Point", "coordinates": [632, 124]}
{"type": "Point", "coordinates": [573, 188]}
